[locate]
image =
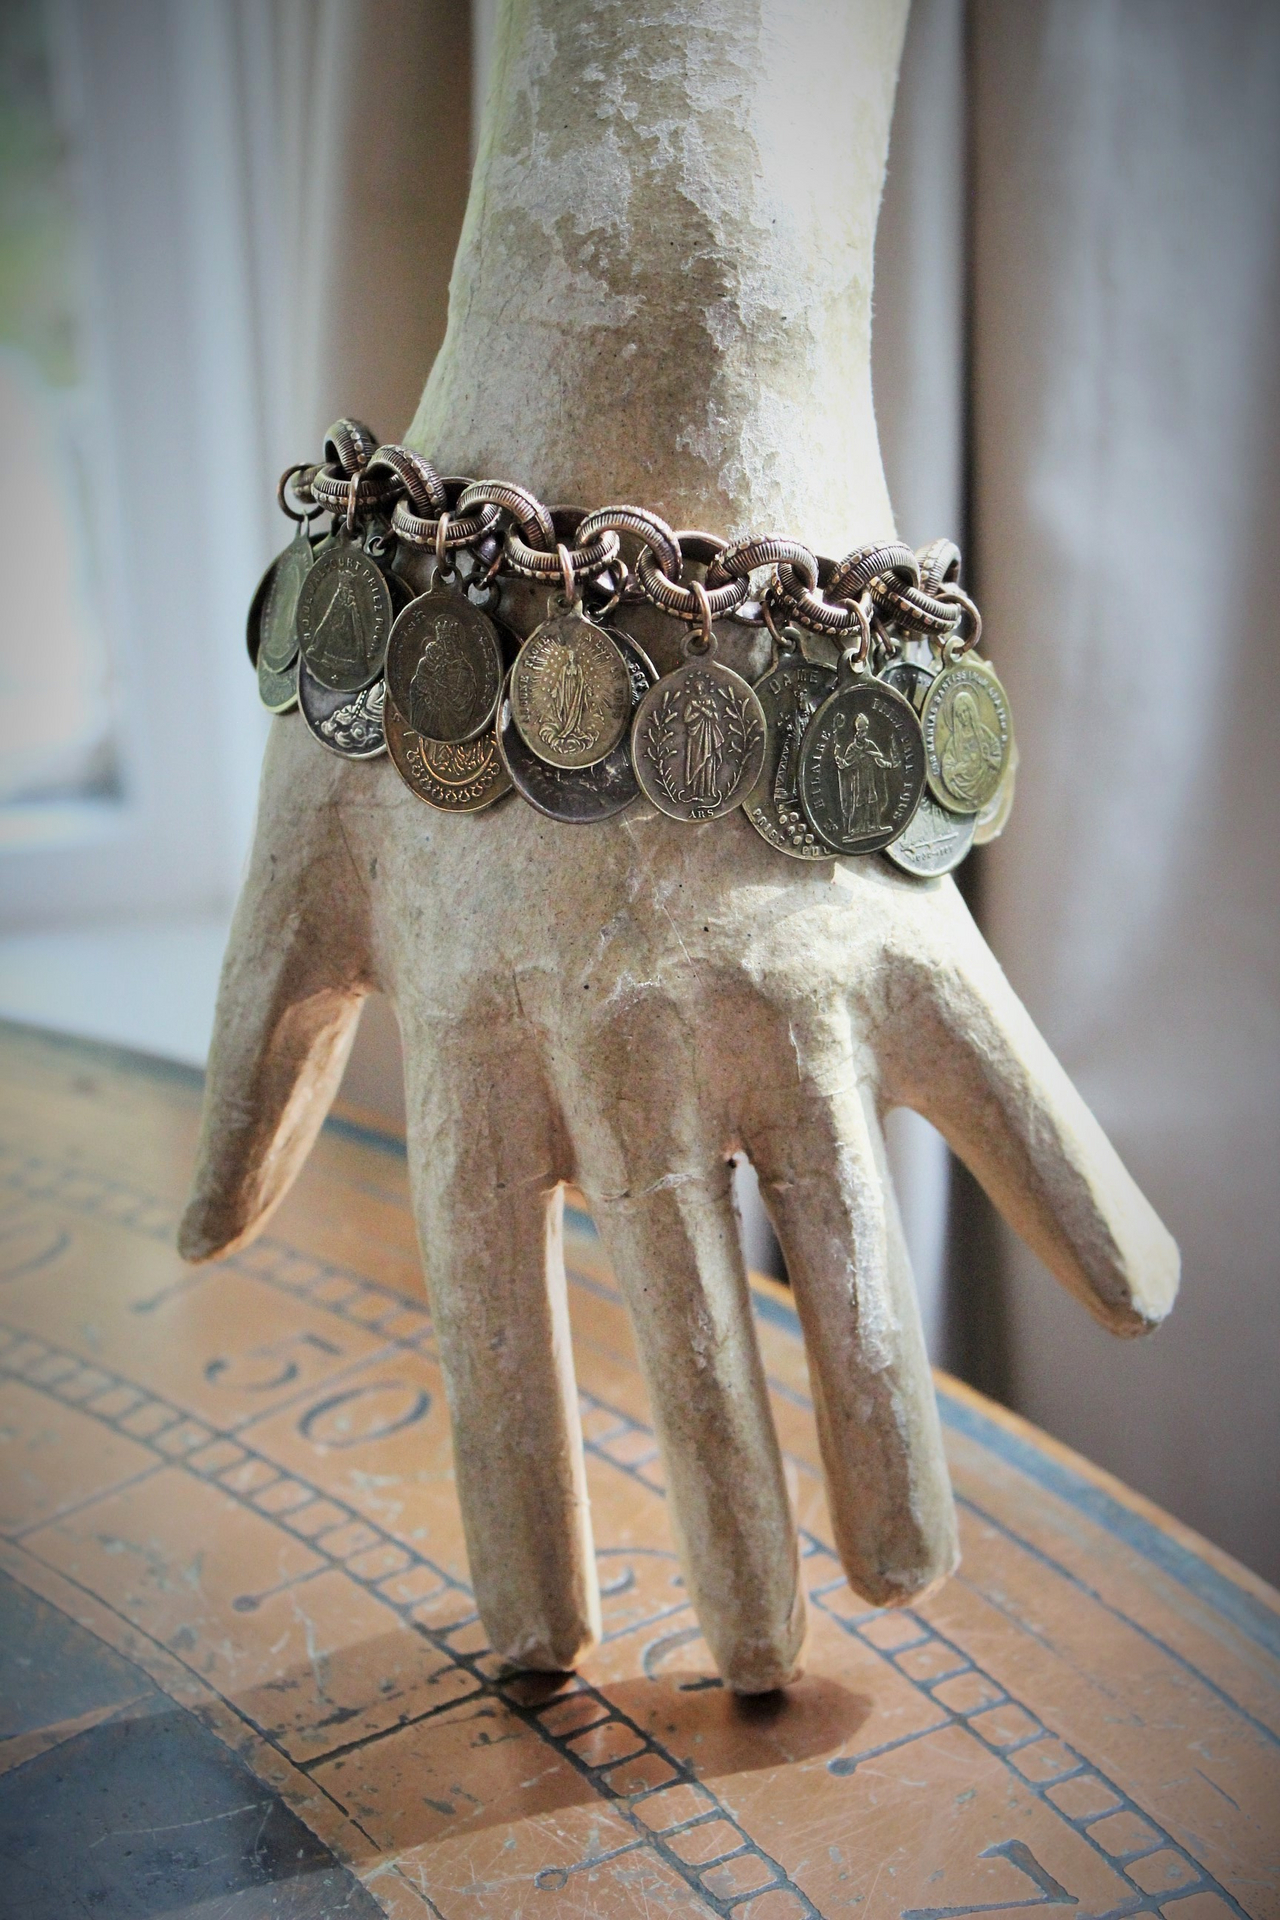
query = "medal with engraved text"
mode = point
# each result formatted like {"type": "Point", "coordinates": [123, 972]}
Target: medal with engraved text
{"type": "Point", "coordinates": [579, 796]}
{"type": "Point", "coordinates": [344, 615]}
{"type": "Point", "coordinates": [698, 739]}
{"type": "Point", "coordinates": [349, 724]}
{"type": "Point", "coordinates": [444, 666]}
{"type": "Point", "coordinates": [862, 763]}
{"type": "Point", "coordinates": [455, 776]}
{"type": "Point", "coordinates": [790, 694]}
{"type": "Point", "coordinates": [968, 734]}
{"type": "Point", "coordinates": [934, 840]}
{"type": "Point", "coordinates": [570, 691]}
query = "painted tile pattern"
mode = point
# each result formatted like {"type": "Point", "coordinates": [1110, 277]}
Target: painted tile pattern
{"type": "Point", "coordinates": [248, 1468]}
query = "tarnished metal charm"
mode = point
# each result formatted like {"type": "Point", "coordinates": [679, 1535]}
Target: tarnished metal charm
{"type": "Point", "coordinates": [790, 694]}
{"type": "Point", "coordinates": [349, 724]}
{"type": "Point", "coordinates": [278, 692]}
{"type": "Point", "coordinates": [935, 840]}
{"type": "Point", "coordinates": [862, 768]}
{"type": "Point", "coordinates": [456, 776]}
{"type": "Point", "coordinates": [968, 734]}
{"type": "Point", "coordinates": [991, 822]}
{"type": "Point", "coordinates": [445, 666]}
{"type": "Point", "coordinates": [579, 796]}
{"type": "Point", "coordinates": [698, 741]}
{"type": "Point", "coordinates": [272, 632]}
{"type": "Point", "coordinates": [570, 692]}
{"type": "Point", "coordinates": [345, 610]}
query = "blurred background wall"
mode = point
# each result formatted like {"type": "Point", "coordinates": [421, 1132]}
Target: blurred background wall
{"type": "Point", "coordinates": [223, 222]}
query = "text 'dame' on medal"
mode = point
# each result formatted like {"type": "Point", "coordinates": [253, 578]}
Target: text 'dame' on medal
{"type": "Point", "coordinates": [344, 617]}
{"type": "Point", "coordinates": [444, 666]}
{"type": "Point", "coordinates": [570, 692]}
{"type": "Point", "coordinates": [968, 735]}
{"type": "Point", "coordinates": [862, 766]}
{"type": "Point", "coordinates": [790, 694]}
{"type": "Point", "coordinates": [698, 741]}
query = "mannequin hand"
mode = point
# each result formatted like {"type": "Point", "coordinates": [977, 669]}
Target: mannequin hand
{"type": "Point", "coordinates": [626, 1005]}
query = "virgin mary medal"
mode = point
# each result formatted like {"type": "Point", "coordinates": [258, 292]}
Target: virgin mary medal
{"type": "Point", "coordinates": [698, 740]}
{"type": "Point", "coordinates": [862, 768]}
{"type": "Point", "coordinates": [790, 694]}
{"type": "Point", "coordinates": [579, 796]}
{"type": "Point", "coordinates": [344, 617]}
{"type": "Point", "coordinates": [570, 691]}
{"type": "Point", "coordinates": [349, 724]}
{"type": "Point", "coordinates": [444, 666]}
{"type": "Point", "coordinates": [968, 735]}
{"type": "Point", "coordinates": [934, 840]}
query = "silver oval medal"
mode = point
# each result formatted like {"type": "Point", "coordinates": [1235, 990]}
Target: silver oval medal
{"type": "Point", "coordinates": [579, 796]}
{"type": "Point", "coordinates": [862, 766]}
{"type": "Point", "coordinates": [698, 741]}
{"type": "Point", "coordinates": [968, 734]}
{"type": "Point", "coordinates": [570, 692]}
{"type": "Point", "coordinates": [790, 694]}
{"type": "Point", "coordinates": [455, 776]}
{"type": "Point", "coordinates": [277, 626]}
{"type": "Point", "coordinates": [278, 692]}
{"type": "Point", "coordinates": [344, 617]}
{"type": "Point", "coordinates": [934, 840]}
{"type": "Point", "coordinates": [349, 724]}
{"type": "Point", "coordinates": [444, 666]}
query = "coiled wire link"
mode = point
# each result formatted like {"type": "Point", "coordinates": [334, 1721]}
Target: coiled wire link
{"type": "Point", "coordinates": [349, 445]}
{"type": "Point", "coordinates": [587, 560]}
{"type": "Point", "coordinates": [533, 519]}
{"type": "Point", "coordinates": [673, 596]}
{"type": "Point", "coordinates": [746, 557]}
{"type": "Point", "coordinates": [461, 530]}
{"type": "Point", "coordinates": [651, 531]}
{"type": "Point", "coordinates": [417, 478]}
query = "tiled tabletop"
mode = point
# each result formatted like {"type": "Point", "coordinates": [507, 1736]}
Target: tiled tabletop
{"type": "Point", "coordinates": [242, 1672]}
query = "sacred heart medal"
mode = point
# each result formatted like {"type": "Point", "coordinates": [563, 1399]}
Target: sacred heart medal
{"type": "Point", "coordinates": [968, 734]}
{"type": "Point", "coordinates": [698, 739]}
{"type": "Point", "coordinates": [349, 724]}
{"type": "Point", "coordinates": [457, 776]}
{"type": "Point", "coordinates": [790, 694]}
{"type": "Point", "coordinates": [444, 666]}
{"type": "Point", "coordinates": [579, 796]}
{"type": "Point", "coordinates": [861, 765]}
{"type": "Point", "coordinates": [934, 840]}
{"type": "Point", "coordinates": [570, 691]}
{"type": "Point", "coordinates": [344, 615]}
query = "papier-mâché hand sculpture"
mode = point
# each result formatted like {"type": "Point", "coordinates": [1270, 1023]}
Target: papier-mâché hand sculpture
{"type": "Point", "coordinates": [662, 294]}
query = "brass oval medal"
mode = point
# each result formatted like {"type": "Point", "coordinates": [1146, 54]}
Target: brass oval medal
{"type": "Point", "coordinates": [444, 666]}
{"type": "Point", "coordinates": [968, 733]}
{"type": "Point", "coordinates": [862, 767]}
{"type": "Point", "coordinates": [344, 617]}
{"type": "Point", "coordinates": [570, 691]}
{"type": "Point", "coordinates": [698, 741]}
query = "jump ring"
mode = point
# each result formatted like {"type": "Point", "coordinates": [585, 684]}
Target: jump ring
{"type": "Point", "coordinates": [282, 493]}
{"type": "Point", "coordinates": [963, 642]}
{"type": "Point", "coordinates": [566, 572]}
{"type": "Point", "coordinates": [706, 640]}
{"type": "Point", "coordinates": [443, 563]}
{"type": "Point", "coordinates": [353, 495]}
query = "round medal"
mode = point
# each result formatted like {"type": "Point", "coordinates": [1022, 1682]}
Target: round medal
{"type": "Point", "coordinates": [278, 692]}
{"type": "Point", "coordinates": [457, 776]}
{"type": "Point", "coordinates": [444, 666]}
{"type": "Point", "coordinates": [698, 741]}
{"type": "Point", "coordinates": [579, 795]}
{"type": "Point", "coordinates": [790, 694]}
{"type": "Point", "coordinates": [349, 724]}
{"type": "Point", "coordinates": [967, 735]}
{"type": "Point", "coordinates": [570, 692]}
{"type": "Point", "coordinates": [344, 617]}
{"type": "Point", "coordinates": [861, 766]}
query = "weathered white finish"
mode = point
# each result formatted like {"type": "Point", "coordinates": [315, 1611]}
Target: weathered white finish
{"type": "Point", "coordinates": [662, 293]}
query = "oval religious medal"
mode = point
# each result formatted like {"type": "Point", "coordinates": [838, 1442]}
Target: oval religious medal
{"type": "Point", "coordinates": [790, 694]}
{"type": "Point", "coordinates": [457, 776]}
{"type": "Point", "coordinates": [861, 766]}
{"type": "Point", "coordinates": [276, 604]}
{"type": "Point", "coordinates": [967, 735]}
{"type": "Point", "coordinates": [934, 840]}
{"type": "Point", "coordinates": [698, 741]}
{"type": "Point", "coordinates": [344, 617]}
{"type": "Point", "coordinates": [349, 724]}
{"type": "Point", "coordinates": [579, 796]}
{"type": "Point", "coordinates": [570, 691]}
{"type": "Point", "coordinates": [444, 666]}
{"type": "Point", "coordinates": [278, 692]}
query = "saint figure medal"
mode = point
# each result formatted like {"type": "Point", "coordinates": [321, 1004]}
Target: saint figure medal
{"type": "Point", "coordinates": [698, 740]}
{"type": "Point", "coordinates": [968, 734]}
{"type": "Point", "coordinates": [456, 776]}
{"type": "Point", "coordinates": [349, 724]}
{"type": "Point", "coordinates": [579, 796]}
{"type": "Point", "coordinates": [344, 615]}
{"type": "Point", "coordinates": [862, 764]}
{"type": "Point", "coordinates": [790, 694]}
{"type": "Point", "coordinates": [570, 691]}
{"type": "Point", "coordinates": [444, 666]}
{"type": "Point", "coordinates": [934, 840]}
